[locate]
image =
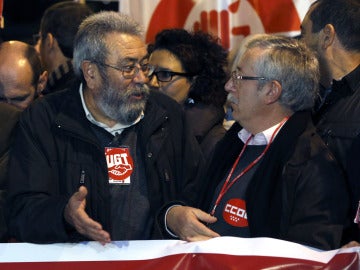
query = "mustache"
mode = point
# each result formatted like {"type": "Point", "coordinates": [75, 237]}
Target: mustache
{"type": "Point", "coordinates": [231, 98]}
{"type": "Point", "coordinates": [139, 90]}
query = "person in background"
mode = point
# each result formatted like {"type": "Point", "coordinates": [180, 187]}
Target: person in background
{"type": "Point", "coordinates": [271, 175]}
{"type": "Point", "coordinates": [9, 116]}
{"type": "Point", "coordinates": [99, 160]}
{"type": "Point", "coordinates": [21, 81]}
{"type": "Point", "coordinates": [190, 67]}
{"type": "Point", "coordinates": [58, 27]}
{"type": "Point", "coordinates": [332, 30]}
{"type": "Point", "coordinates": [22, 77]}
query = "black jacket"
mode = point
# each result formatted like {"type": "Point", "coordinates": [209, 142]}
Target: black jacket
{"type": "Point", "coordinates": [338, 124]}
{"type": "Point", "coordinates": [54, 144]}
{"type": "Point", "coordinates": [9, 116]}
{"type": "Point", "coordinates": [297, 192]}
{"type": "Point", "coordinates": [206, 122]}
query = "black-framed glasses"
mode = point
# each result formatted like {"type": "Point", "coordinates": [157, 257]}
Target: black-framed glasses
{"type": "Point", "coordinates": [236, 77]}
{"type": "Point", "coordinates": [167, 75]}
{"type": "Point", "coordinates": [130, 71]}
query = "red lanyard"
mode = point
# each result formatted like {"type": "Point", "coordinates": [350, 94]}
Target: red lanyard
{"type": "Point", "coordinates": [227, 185]}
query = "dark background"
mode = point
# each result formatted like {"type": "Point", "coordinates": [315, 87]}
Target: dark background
{"type": "Point", "coordinates": [22, 17]}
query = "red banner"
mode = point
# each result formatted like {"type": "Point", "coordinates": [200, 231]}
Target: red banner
{"type": "Point", "coordinates": [217, 253]}
{"type": "Point", "coordinates": [231, 20]}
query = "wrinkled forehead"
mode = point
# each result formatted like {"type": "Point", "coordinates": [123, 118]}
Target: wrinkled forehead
{"type": "Point", "coordinates": [125, 46]}
{"type": "Point", "coordinates": [250, 56]}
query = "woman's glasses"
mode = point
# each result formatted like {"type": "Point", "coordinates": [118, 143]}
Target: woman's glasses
{"type": "Point", "coordinates": [167, 75]}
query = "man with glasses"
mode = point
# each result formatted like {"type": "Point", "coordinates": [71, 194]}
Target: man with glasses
{"type": "Point", "coordinates": [271, 175]}
{"type": "Point", "coordinates": [99, 160]}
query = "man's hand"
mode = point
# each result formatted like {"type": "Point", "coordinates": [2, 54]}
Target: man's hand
{"type": "Point", "coordinates": [351, 244]}
{"type": "Point", "coordinates": [186, 222]}
{"type": "Point", "coordinates": [76, 216]}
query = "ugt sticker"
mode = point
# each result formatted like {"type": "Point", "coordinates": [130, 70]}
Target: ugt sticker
{"type": "Point", "coordinates": [120, 165]}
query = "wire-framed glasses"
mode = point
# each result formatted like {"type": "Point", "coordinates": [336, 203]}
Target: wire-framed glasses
{"type": "Point", "coordinates": [235, 76]}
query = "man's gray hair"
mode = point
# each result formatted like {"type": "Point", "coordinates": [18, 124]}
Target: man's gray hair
{"type": "Point", "coordinates": [90, 43]}
{"type": "Point", "coordinates": [290, 62]}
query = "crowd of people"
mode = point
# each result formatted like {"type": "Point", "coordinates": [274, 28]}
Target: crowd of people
{"type": "Point", "coordinates": [110, 138]}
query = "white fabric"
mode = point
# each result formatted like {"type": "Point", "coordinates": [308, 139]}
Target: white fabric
{"type": "Point", "coordinates": [261, 138]}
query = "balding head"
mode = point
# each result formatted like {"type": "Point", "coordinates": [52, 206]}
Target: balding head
{"type": "Point", "coordinates": [20, 72]}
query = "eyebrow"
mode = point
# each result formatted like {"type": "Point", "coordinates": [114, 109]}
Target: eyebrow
{"type": "Point", "coordinates": [238, 68]}
{"type": "Point", "coordinates": [14, 99]}
{"type": "Point", "coordinates": [130, 60]}
{"type": "Point", "coordinates": [160, 68]}
{"type": "Point", "coordinates": [19, 97]}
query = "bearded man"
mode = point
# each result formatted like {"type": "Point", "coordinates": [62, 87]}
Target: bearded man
{"type": "Point", "coordinates": [99, 160]}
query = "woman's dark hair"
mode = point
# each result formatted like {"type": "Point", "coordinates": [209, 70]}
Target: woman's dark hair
{"type": "Point", "coordinates": [199, 53]}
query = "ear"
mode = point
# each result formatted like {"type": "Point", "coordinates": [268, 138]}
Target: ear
{"type": "Point", "coordinates": [327, 36]}
{"type": "Point", "coordinates": [90, 72]}
{"type": "Point", "coordinates": [273, 92]}
{"type": "Point", "coordinates": [50, 40]}
{"type": "Point", "coordinates": [43, 78]}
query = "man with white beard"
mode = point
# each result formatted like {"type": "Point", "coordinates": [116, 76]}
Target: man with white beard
{"type": "Point", "coordinates": [99, 160]}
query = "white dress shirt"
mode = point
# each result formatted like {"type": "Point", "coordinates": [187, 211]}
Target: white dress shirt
{"type": "Point", "coordinates": [261, 138]}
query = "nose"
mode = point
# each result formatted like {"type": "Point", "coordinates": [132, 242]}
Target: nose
{"type": "Point", "coordinates": [153, 82]}
{"type": "Point", "coordinates": [229, 86]}
{"type": "Point", "coordinates": [141, 77]}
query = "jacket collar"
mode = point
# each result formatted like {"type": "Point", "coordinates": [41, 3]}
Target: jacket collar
{"type": "Point", "coordinates": [347, 85]}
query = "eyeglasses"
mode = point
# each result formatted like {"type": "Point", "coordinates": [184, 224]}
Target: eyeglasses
{"type": "Point", "coordinates": [235, 77]}
{"type": "Point", "coordinates": [129, 72]}
{"type": "Point", "coordinates": [167, 75]}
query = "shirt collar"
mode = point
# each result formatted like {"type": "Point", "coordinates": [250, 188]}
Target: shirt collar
{"type": "Point", "coordinates": [261, 138]}
{"type": "Point", "coordinates": [116, 129]}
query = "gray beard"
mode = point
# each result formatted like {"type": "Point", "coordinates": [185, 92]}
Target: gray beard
{"type": "Point", "coordinates": [117, 105]}
{"type": "Point", "coordinates": [231, 98]}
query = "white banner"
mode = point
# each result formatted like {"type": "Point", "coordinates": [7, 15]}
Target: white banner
{"type": "Point", "coordinates": [217, 253]}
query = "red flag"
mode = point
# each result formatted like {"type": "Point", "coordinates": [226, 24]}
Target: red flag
{"type": "Point", "coordinates": [230, 20]}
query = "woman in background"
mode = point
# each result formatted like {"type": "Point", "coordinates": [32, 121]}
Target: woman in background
{"type": "Point", "coordinates": [191, 68]}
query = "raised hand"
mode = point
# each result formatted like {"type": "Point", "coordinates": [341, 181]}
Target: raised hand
{"type": "Point", "coordinates": [218, 24]}
{"type": "Point", "coordinates": [76, 216]}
